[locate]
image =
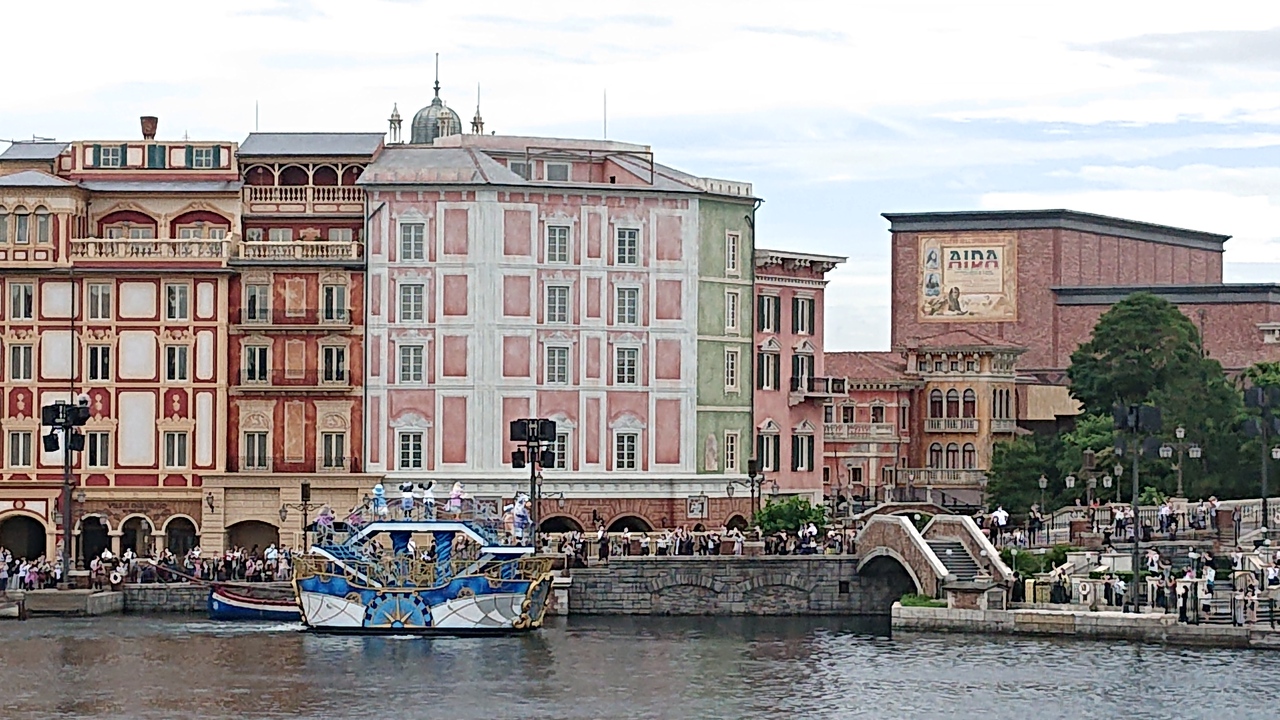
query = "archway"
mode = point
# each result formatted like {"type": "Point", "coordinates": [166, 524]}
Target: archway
{"type": "Point", "coordinates": [135, 535]}
{"type": "Point", "coordinates": [251, 534]}
{"type": "Point", "coordinates": [94, 539]}
{"type": "Point", "coordinates": [559, 524]}
{"type": "Point", "coordinates": [22, 536]}
{"type": "Point", "coordinates": [736, 522]}
{"type": "Point", "coordinates": [885, 580]}
{"type": "Point", "coordinates": [630, 522]}
{"type": "Point", "coordinates": [180, 536]}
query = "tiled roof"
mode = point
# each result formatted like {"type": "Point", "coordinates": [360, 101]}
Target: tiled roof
{"type": "Point", "coordinates": [33, 178]}
{"type": "Point", "coordinates": [34, 151]}
{"type": "Point", "coordinates": [419, 165]}
{"type": "Point", "coordinates": [958, 339]}
{"type": "Point", "coordinates": [313, 144]}
{"type": "Point", "coordinates": [866, 366]}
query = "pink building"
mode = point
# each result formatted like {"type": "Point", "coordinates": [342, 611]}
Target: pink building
{"type": "Point", "coordinates": [792, 383]}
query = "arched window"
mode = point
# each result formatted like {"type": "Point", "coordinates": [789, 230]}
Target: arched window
{"type": "Point", "coordinates": [953, 456]}
{"type": "Point", "coordinates": [970, 408]}
{"type": "Point", "coordinates": [4, 226]}
{"type": "Point", "coordinates": [935, 404]}
{"type": "Point", "coordinates": [953, 403]}
{"type": "Point", "coordinates": [324, 175]}
{"type": "Point", "coordinates": [21, 225]}
{"type": "Point", "coordinates": [44, 225]}
{"type": "Point", "coordinates": [969, 456]}
{"type": "Point", "coordinates": [935, 455]}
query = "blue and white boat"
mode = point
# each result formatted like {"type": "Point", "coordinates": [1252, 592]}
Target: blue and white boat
{"type": "Point", "coordinates": [463, 581]}
{"type": "Point", "coordinates": [251, 604]}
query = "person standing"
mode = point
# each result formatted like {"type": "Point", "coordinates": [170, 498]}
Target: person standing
{"type": "Point", "coordinates": [999, 519]}
{"type": "Point", "coordinates": [602, 544]}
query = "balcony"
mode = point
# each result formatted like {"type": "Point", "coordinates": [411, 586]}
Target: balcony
{"type": "Point", "coordinates": [309, 319]}
{"type": "Point", "coordinates": [858, 432]}
{"type": "Point", "coordinates": [937, 477]}
{"type": "Point", "coordinates": [275, 382]}
{"type": "Point", "coordinates": [298, 251]}
{"type": "Point", "coordinates": [818, 387]}
{"type": "Point", "coordinates": [951, 425]}
{"type": "Point", "coordinates": [152, 249]}
{"type": "Point", "coordinates": [1003, 425]}
{"type": "Point", "coordinates": [303, 199]}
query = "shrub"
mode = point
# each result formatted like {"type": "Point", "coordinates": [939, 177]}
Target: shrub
{"type": "Point", "coordinates": [913, 600]}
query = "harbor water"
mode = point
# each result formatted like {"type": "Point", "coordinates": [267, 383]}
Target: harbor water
{"type": "Point", "coordinates": [588, 668]}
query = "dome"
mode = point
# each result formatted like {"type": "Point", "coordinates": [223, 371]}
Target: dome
{"type": "Point", "coordinates": [433, 121]}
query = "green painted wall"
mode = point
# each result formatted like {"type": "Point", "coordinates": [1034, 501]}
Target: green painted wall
{"type": "Point", "coordinates": [721, 411]}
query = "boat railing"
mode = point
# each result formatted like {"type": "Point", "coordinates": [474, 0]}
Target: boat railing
{"type": "Point", "coordinates": [484, 518]}
{"type": "Point", "coordinates": [405, 570]}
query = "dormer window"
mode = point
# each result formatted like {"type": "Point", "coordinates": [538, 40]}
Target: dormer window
{"type": "Point", "coordinates": [202, 158]}
{"type": "Point", "coordinates": [557, 172]}
{"type": "Point", "coordinates": [519, 168]}
{"type": "Point", "coordinates": [110, 156]}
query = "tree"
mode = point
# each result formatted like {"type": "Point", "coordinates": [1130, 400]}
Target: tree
{"type": "Point", "coordinates": [1016, 467]}
{"type": "Point", "coordinates": [789, 515]}
{"type": "Point", "coordinates": [1263, 374]}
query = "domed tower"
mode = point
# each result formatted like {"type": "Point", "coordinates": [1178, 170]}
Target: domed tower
{"type": "Point", "coordinates": [435, 120]}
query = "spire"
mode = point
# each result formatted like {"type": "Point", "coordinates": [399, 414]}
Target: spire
{"type": "Point", "coordinates": [477, 122]}
{"type": "Point", "coordinates": [437, 86]}
{"type": "Point", "coordinates": [394, 121]}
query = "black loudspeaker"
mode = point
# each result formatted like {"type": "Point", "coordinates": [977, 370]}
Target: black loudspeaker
{"type": "Point", "coordinates": [547, 458]}
{"type": "Point", "coordinates": [520, 431]}
{"type": "Point", "coordinates": [1120, 417]}
{"type": "Point", "coordinates": [77, 442]}
{"type": "Point", "coordinates": [306, 492]}
{"type": "Point", "coordinates": [517, 459]}
{"type": "Point", "coordinates": [1149, 419]}
{"type": "Point", "coordinates": [1251, 427]}
{"type": "Point", "coordinates": [79, 415]}
{"type": "Point", "coordinates": [547, 430]}
{"type": "Point", "coordinates": [1151, 446]}
{"type": "Point", "coordinates": [51, 415]}
{"type": "Point", "coordinates": [50, 442]}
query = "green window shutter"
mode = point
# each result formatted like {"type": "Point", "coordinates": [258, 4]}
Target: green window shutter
{"type": "Point", "coordinates": [97, 155]}
{"type": "Point", "coordinates": [124, 156]}
{"type": "Point", "coordinates": [809, 453]}
{"type": "Point", "coordinates": [217, 156]}
{"type": "Point", "coordinates": [190, 156]}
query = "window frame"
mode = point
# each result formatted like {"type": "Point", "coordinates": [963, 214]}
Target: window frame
{"type": "Point", "coordinates": [633, 316]}
{"type": "Point", "coordinates": [631, 237]}
{"type": "Point", "coordinates": [100, 297]}
{"type": "Point", "coordinates": [631, 377]}
{"type": "Point", "coordinates": [732, 312]}
{"type": "Point", "coordinates": [406, 440]}
{"type": "Point", "coordinates": [548, 365]}
{"type": "Point", "coordinates": [256, 357]}
{"type": "Point", "coordinates": [334, 307]}
{"type": "Point", "coordinates": [175, 371]}
{"type": "Point", "coordinates": [177, 446]}
{"type": "Point", "coordinates": [769, 445]}
{"type": "Point", "coordinates": [561, 449]}
{"type": "Point", "coordinates": [97, 449]}
{"type": "Point", "coordinates": [567, 167]}
{"type": "Point", "coordinates": [110, 156]}
{"type": "Point", "coordinates": [408, 356]}
{"type": "Point", "coordinates": [732, 366]}
{"type": "Point", "coordinates": [329, 459]}
{"type": "Point", "coordinates": [257, 303]}
{"type": "Point", "coordinates": [562, 314]}
{"type": "Point", "coordinates": [18, 362]}
{"type": "Point", "coordinates": [562, 255]}
{"type": "Point", "coordinates": [626, 458]}
{"type": "Point", "coordinates": [419, 313]}
{"type": "Point", "coordinates": [333, 364]}
{"type": "Point", "coordinates": [177, 297]}
{"type": "Point", "coordinates": [732, 250]}
{"type": "Point", "coordinates": [25, 304]}
{"type": "Point", "coordinates": [98, 363]}
{"type": "Point", "coordinates": [413, 241]}
{"type": "Point", "coordinates": [731, 444]}
{"type": "Point", "coordinates": [18, 448]}
{"type": "Point", "coordinates": [255, 446]}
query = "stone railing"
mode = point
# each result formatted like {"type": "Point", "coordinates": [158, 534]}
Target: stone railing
{"type": "Point", "coordinates": [857, 431]}
{"type": "Point", "coordinates": [937, 477]}
{"type": "Point", "coordinates": [302, 198]}
{"type": "Point", "coordinates": [951, 425]}
{"type": "Point", "coordinates": [132, 249]}
{"type": "Point", "coordinates": [294, 250]}
{"type": "Point", "coordinates": [1003, 425]}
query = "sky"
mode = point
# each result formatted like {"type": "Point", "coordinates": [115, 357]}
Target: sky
{"type": "Point", "coordinates": [1166, 112]}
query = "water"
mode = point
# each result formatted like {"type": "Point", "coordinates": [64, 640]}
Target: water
{"type": "Point", "coordinates": [588, 668]}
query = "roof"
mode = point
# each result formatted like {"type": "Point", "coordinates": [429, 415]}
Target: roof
{"type": "Point", "coordinates": [310, 144]}
{"type": "Point", "coordinates": [33, 178]}
{"type": "Point", "coordinates": [34, 150]}
{"type": "Point", "coordinates": [960, 339]}
{"type": "Point", "coordinates": [866, 366]}
{"type": "Point", "coordinates": [1053, 219]}
{"type": "Point", "coordinates": [162, 186]}
{"type": "Point", "coordinates": [764, 254]}
{"type": "Point", "coordinates": [1214, 294]}
{"type": "Point", "coordinates": [419, 165]}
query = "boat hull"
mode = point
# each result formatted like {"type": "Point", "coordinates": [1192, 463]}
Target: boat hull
{"type": "Point", "coordinates": [229, 606]}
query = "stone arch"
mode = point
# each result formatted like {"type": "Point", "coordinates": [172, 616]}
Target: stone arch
{"type": "Point", "coordinates": [895, 537]}
{"type": "Point", "coordinates": [560, 524]}
{"type": "Point", "coordinates": [260, 175]}
{"type": "Point", "coordinates": [293, 175]}
{"type": "Point", "coordinates": [106, 521]}
{"type": "Point", "coordinates": [736, 521]}
{"type": "Point", "coordinates": [25, 534]}
{"type": "Point", "coordinates": [324, 174]}
{"type": "Point", "coordinates": [635, 522]}
{"type": "Point", "coordinates": [135, 531]}
{"type": "Point", "coordinates": [92, 536]}
{"type": "Point", "coordinates": [248, 533]}
{"type": "Point", "coordinates": [177, 516]}
{"type": "Point", "coordinates": [180, 534]}
{"type": "Point", "coordinates": [889, 554]}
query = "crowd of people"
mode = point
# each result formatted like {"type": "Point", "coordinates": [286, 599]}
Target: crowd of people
{"type": "Point", "coordinates": [23, 574]}
{"type": "Point", "coordinates": [1114, 520]}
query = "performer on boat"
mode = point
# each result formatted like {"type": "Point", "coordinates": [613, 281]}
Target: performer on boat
{"type": "Point", "coordinates": [379, 502]}
{"type": "Point", "coordinates": [429, 500]}
{"type": "Point", "coordinates": [324, 525]}
{"type": "Point", "coordinates": [456, 497]}
{"type": "Point", "coordinates": [522, 519]}
{"type": "Point", "coordinates": [406, 500]}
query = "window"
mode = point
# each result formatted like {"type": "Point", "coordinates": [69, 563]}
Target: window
{"type": "Point", "coordinates": [410, 451]}
{"type": "Point", "coordinates": [202, 157]}
{"type": "Point", "coordinates": [333, 300]}
{"type": "Point", "coordinates": [953, 403]}
{"type": "Point", "coordinates": [557, 244]}
{"type": "Point", "coordinates": [343, 235]}
{"type": "Point", "coordinates": [801, 370]}
{"type": "Point", "coordinates": [558, 172]}
{"type": "Point", "coordinates": [20, 448]}
{"type": "Point", "coordinates": [627, 308]}
{"type": "Point", "coordinates": [255, 364]}
{"type": "Point", "coordinates": [624, 451]}
{"type": "Point", "coordinates": [625, 366]}
{"type": "Point", "coordinates": [519, 168]}
{"type": "Point", "coordinates": [628, 249]}
{"type": "Point", "coordinates": [955, 366]}
{"type": "Point", "coordinates": [768, 375]}
{"type": "Point", "coordinates": [802, 453]}
{"type": "Point", "coordinates": [802, 315]}
{"type": "Point", "coordinates": [953, 456]}
{"type": "Point", "coordinates": [257, 303]}
{"type": "Point", "coordinates": [175, 449]}
{"type": "Point", "coordinates": [849, 413]}
{"type": "Point", "coordinates": [4, 227]}
{"type": "Point", "coordinates": [253, 234]}
{"type": "Point", "coordinates": [280, 235]}
{"type": "Point", "coordinates": [20, 362]}
{"type": "Point", "coordinates": [255, 451]}
{"type": "Point", "coordinates": [411, 363]}
{"type": "Point", "coordinates": [731, 357]}
{"type": "Point", "coordinates": [731, 253]}
{"type": "Point", "coordinates": [177, 302]}
{"type": "Point", "coordinates": [22, 223]}
{"type": "Point", "coordinates": [334, 364]}
{"type": "Point", "coordinates": [969, 408]}
{"type": "Point", "coordinates": [877, 414]}
{"type": "Point", "coordinates": [731, 452]}
{"type": "Point", "coordinates": [767, 445]}
{"type": "Point", "coordinates": [935, 404]}
{"type": "Point", "coordinates": [99, 362]}
{"type": "Point", "coordinates": [731, 311]}
{"type": "Point", "coordinates": [201, 231]}
{"type": "Point", "coordinates": [413, 241]}
{"type": "Point", "coordinates": [99, 301]}
{"type": "Point", "coordinates": [561, 448]}
{"type": "Point", "coordinates": [411, 304]}
{"type": "Point", "coordinates": [109, 157]}
{"type": "Point", "coordinates": [768, 313]}
{"type": "Point", "coordinates": [969, 457]}
{"type": "Point", "coordinates": [333, 446]}
{"type": "Point", "coordinates": [935, 455]}
{"type": "Point", "coordinates": [903, 414]}
{"type": "Point", "coordinates": [175, 362]}
{"type": "Point", "coordinates": [557, 370]}
{"type": "Point", "coordinates": [557, 304]}
{"type": "Point", "coordinates": [97, 447]}
{"type": "Point", "coordinates": [971, 366]}
{"type": "Point", "coordinates": [42, 226]}
{"type": "Point", "coordinates": [22, 301]}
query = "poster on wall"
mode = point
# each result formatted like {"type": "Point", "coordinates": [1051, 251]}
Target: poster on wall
{"type": "Point", "coordinates": [968, 277]}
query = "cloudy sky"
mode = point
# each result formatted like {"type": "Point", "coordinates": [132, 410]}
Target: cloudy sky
{"type": "Point", "coordinates": [837, 111]}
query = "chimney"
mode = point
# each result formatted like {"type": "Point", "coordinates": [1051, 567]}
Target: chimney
{"type": "Point", "coordinates": [149, 123]}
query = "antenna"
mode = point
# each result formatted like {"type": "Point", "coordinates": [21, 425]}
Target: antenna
{"type": "Point", "coordinates": [255, 116]}
{"type": "Point", "coordinates": [437, 86]}
{"type": "Point", "coordinates": [606, 114]}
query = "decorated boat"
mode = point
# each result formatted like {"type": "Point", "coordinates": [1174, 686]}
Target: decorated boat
{"type": "Point", "coordinates": [245, 603]}
{"type": "Point", "coordinates": [452, 575]}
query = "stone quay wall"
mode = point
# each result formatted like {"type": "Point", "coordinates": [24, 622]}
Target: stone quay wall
{"type": "Point", "coordinates": [729, 585]}
{"type": "Point", "coordinates": [161, 599]}
{"type": "Point", "coordinates": [1083, 624]}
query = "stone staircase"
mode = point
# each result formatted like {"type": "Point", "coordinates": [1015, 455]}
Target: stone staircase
{"type": "Point", "coordinates": [956, 558]}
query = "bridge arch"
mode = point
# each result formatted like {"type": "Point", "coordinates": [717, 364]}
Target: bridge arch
{"type": "Point", "coordinates": [874, 563]}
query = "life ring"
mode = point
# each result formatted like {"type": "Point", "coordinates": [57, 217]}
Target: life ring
{"type": "Point", "coordinates": [116, 579]}
{"type": "Point", "coordinates": [1084, 589]}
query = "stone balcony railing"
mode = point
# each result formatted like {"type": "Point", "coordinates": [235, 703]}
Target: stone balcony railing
{"type": "Point", "coordinates": [1003, 425]}
{"type": "Point", "coordinates": [857, 431]}
{"type": "Point", "coordinates": [302, 199]}
{"type": "Point", "coordinates": [951, 425]}
{"type": "Point", "coordinates": [148, 249]}
{"type": "Point", "coordinates": [298, 250]}
{"type": "Point", "coordinates": [937, 477]}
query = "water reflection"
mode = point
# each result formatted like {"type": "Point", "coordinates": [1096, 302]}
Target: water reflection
{"type": "Point", "coordinates": [133, 667]}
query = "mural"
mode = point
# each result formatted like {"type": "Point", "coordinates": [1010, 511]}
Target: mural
{"type": "Point", "coordinates": [968, 277]}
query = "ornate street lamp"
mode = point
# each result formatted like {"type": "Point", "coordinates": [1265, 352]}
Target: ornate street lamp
{"type": "Point", "coordinates": [1043, 482]}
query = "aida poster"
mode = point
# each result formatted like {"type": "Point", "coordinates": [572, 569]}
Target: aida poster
{"type": "Point", "coordinates": [968, 277]}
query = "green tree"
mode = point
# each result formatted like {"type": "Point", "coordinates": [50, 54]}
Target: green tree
{"type": "Point", "coordinates": [1016, 467]}
{"type": "Point", "coordinates": [790, 514]}
{"type": "Point", "coordinates": [1264, 374]}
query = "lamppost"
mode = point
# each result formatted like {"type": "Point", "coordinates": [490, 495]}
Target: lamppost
{"type": "Point", "coordinates": [1141, 422]}
{"type": "Point", "coordinates": [1193, 593]}
{"type": "Point", "coordinates": [68, 419]}
{"type": "Point", "coordinates": [305, 507]}
{"type": "Point", "coordinates": [982, 489]}
{"type": "Point", "coordinates": [538, 437]}
{"type": "Point", "coordinates": [1106, 484]}
{"type": "Point", "coordinates": [1117, 470]}
{"type": "Point", "coordinates": [1043, 482]}
{"type": "Point", "coordinates": [753, 484]}
{"type": "Point", "coordinates": [1266, 400]}
{"type": "Point", "coordinates": [1191, 449]}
